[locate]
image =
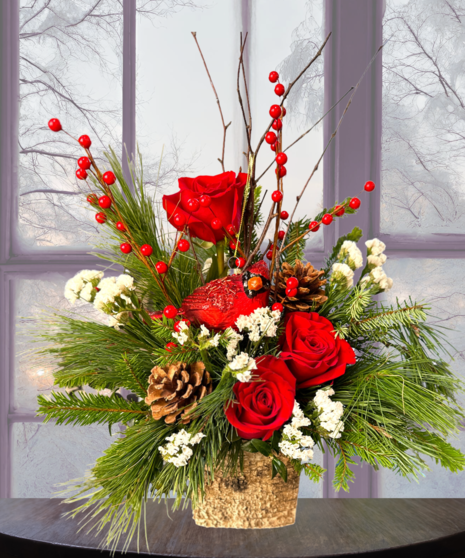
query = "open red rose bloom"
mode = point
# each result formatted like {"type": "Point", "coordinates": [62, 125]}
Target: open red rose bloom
{"type": "Point", "coordinates": [226, 191]}
{"type": "Point", "coordinates": [312, 351]}
{"type": "Point", "coordinates": [263, 406]}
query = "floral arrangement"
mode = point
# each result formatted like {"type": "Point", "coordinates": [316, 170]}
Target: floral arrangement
{"type": "Point", "coordinates": [219, 342]}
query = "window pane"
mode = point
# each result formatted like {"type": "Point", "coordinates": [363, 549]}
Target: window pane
{"type": "Point", "coordinates": [440, 283]}
{"type": "Point", "coordinates": [177, 113]}
{"type": "Point", "coordinates": [70, 68]}
{"type": "Point", "coordinates": [423, 174]}
{"type": "Point", "coordinates": [44, 455]}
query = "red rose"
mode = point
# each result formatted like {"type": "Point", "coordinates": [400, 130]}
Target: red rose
{"type": "Point", "coordinates": [226, 192]}
{"type": "Point", "coordinates": [263, 406]}
{"type": "Point", "coordinates": [311, 350]}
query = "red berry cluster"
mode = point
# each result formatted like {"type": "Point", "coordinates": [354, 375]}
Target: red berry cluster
{"type": "Point", "coordinates": [292, 285]}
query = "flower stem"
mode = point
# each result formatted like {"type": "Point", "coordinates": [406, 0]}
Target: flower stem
{"type": "Point", "coordinates": [220, 257]}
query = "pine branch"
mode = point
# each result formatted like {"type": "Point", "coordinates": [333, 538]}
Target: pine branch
{"type": "Point", "coordinates": [88, 408]}
{"type": "Point", "coordinates": [401, 316]}
{"type": "Point", "coordinates": [296, 251]}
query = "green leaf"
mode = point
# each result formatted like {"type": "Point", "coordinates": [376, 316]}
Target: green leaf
{"type": "Point", "coordinates": [278, 466]}
{"type": "Point", "coordinates": [259, 446]}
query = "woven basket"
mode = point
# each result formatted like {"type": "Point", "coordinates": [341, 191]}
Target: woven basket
{"type": "Point", "coordinates": [252, 500]}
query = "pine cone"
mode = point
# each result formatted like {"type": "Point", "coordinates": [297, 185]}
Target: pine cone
{"type": "Point", "coordinates": [176, 388]}
{"type": "Point", "coordinates": [309, 296]}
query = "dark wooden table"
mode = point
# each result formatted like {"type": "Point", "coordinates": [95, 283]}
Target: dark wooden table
{"type": "Point", "coordinates": [339, 527]}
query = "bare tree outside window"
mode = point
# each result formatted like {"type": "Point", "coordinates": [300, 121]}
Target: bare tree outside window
{"type": "Point", "coordinates": [423, 172]}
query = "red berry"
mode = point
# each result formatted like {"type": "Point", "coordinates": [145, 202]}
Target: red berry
{"type": "Point", "coordinates": [179, 220]}
{"type": "Point", "coordinates": [292, 283]}
{"type": "Point", "coordinates": [146, 250]}
{"type": "Point", "coordinates": [314, 226]}
{"type": "Point", "coordinates": [273, 77]}
{"type": "Point", "coordinates": [161, 267]}
{"type": "Point", "coordinates": [279, 89]}
{"type": "Point", "coordinates": [205, 201]}
{"type": "Point", "coordinates": [354, 203]}
{"type": "Point", "coordinates": [120, 226]}
{"type": "Point", "coordinates": [270, 137]}
{"type": "Point", "coordinates": [284, 215]}
{"type": "Point", "coordinates": [92, 198]}
{"type": "Point", "coordinates": [281, 171]}
{"type": "Point", "coordinates": [277, 196]}
{"type": "Point", "coordinates": [240, 262]}
{"type": "Point", "coordinates": [216, 224]}
{"type": "Point", "coordinates": [177, 325]}
{"type": "Point", "coordinates": [85, 142]}
{"type": "Point", "coordinates": [232, 245]}
{"type": "Point", "coordinates": [281, 159]}
{"type": "Point", "coordinates": [281, 235]}
{"type": "Point", "coordinates": [125, 248]}
{"type": "Point", "coordinates": [109, 178]}
{"type": "Point", "coordinates": [275, 111]}
{"type": "Point", "coordinates": [104, 202]}
{"type": "Point", "coordinates": [291, 292]}
{"type": "Point", "coordinates": [170, 312]}
{"type": "Point", "coordinates": [284, 111]}
{"type": "Point", "coordinates": [84, 163]}
{"type": "Point", "coordinates": [274, 146]}
{"type": "Point", "coordinates": [54, 124]}
{"type": "Point", "coordinates": [81, 174]}
{"type": "Point", "coordinates": [193, 204]}
{"type": "Point", "coordinates": [369, 186]}
{"type": "Point", "coordinates": [100, 217]}
{"type": "Point", "coordinates": [327, 219]}
{"type": "Point", "coordinates": [339, 210]}
{"type": "Point", "coordinates": [170, 346]}
{"type": "Point", "coordinates": [231, 230]}
{"type": "Point", "coordinates": [277, 124]}
{"type": "Point", "coordinates": [277, 306]}
{"type": "Point", "coordinates": [269, 254]}
{"type": "Point", "coordinates": [183, 245]}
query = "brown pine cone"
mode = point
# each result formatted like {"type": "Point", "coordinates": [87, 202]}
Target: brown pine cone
{"type": "Point", "coordinates": [176, 388]}
{"type": "Point", "coordinates": [310, 294]}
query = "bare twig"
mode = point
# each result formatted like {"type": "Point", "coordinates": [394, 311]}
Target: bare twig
{"type": "Point", "coordinates": [248, 124]}
{"type": "Point", "coordinates": [199, 267]}
{"type": "Point", "coordinates": [225, 126]}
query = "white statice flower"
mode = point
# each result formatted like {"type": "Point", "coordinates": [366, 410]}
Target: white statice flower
{"type": "Point", "coordinates": [82, 285]}
{"type": "Point", "coordinates": [376, 261]}
{"type": "Point", "coordinates": [343, 274]}
{"type": "Point", "coordinates": [112, 288]}
{"type": "Point", "coordinates": [379, 276]}
{"type": "Point", "coordinates": [125, 282]}
{"type": "Point", "coordinates": [182, 336]}
{"type": "Point", "coordinates": [88, 292]}
{"type": "Point", "coordinates": [91, 275]}
{"type": "Point", "coordinates": [244, 376]}
{"type": "Point", "coordinates": [204, 331]}
{"type": "Point", "coordinates": [73, 288]}
{"type": "Point", "coordinates": [350, 254]}
{"type": "Point", "coordinates": [294, 443]}
{"type": "Point", "coordinates": [330, 412]}
{"type": "Point", "coordinates": [242, 367]}
{"type": "Point", "coordinates": [115, 321]}
{"type": "Point", "coordinates": [177, 450]}
{"type": "Point", "coordinates": [233, 342]}
{"type": "Point", "coordinates": [375, 247]}
{"type": "Point", "coordinates": [261, 323]}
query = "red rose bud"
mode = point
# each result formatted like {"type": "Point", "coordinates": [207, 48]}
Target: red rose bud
{"type": "Point", "coordinates": [277, 306]}
{"type": "Point", "coordinates": [291, 292]}
{"type": "Point", "coordinates": [277, 196]}
{"type": "Point", "coordinates": [120, 226]}
{"type": "Point", "coordinates": [109, 178]}
{"type": "Point", "coordinates": [92, 198]}
{"type": "Point", "coordinates": [273, 77]}
{"type": "Point", "coordinates": [170, 346]}
{"type": "Point", "coordinates": [292, 283]}
{"type": "Point", "coordinates": [277, 124]}
{"type": "Point", "coordinates": [216, 224]}
{"type": "Point", "coordinates": [281, 235]}
{"type": "Point", "coordinates": [279, 90]}
{"type": "Point", "coordinates": [100, 217]}
{"type": "Point", "coordinates": [55, 125]}
{"type": "Point", "coordinates": [146, 250]}
{"type": "Point", "coordinates": [240, 262]}
{"type": "Point", "coordinates": [354, 203]}
{"type": "Point", "coordinates": [104, 202]}
{"type": "Point", "coordinates": [84, 163]}
{"type": "Point", "coordinates": [183, 245]}
{"type": "Point", "coordinates": [275, 111]}
{"type": "Point", "coordinates": [339, 210]}
{"type": "Point", "coordinates": [270, 137]}
{"type": "Point", "coordinates": [269, 254]}
{"type": "Point", "coordinates": [314, 226]}
{"type": "Point", "coordinates": [81, 174]}
{"type": "Point", "coordinates": [312, 352]}
{"type": "Point", "coordinates": [170, 312]}
{"type": "Point", "coordinates": [161, 267]}
{"type": "Point", "coordinates": [327, 219]}
{"type": "Point", "coordinates": [193, 204]}
{"type": "Point", "coordinates": [369, 186]}
{"type": "Point", "coordinates": [262, 407]}
{"type": "Point", "coordinates": [284, 215]}
{"type": "Point", "coordinates": [125, 248]}
{"type": "Point", "coordinates": [281, 159]}
{"type": "Point", "coordinates": [85, 142]}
